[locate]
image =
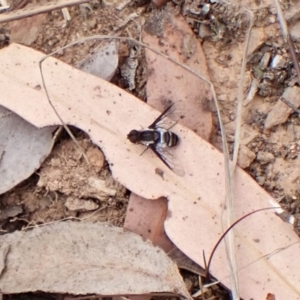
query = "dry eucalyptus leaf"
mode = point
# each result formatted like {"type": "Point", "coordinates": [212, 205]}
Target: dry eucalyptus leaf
{"type": "Point", "coordinates": [146, 218]}
{"type": "Point", "coordinates": [25, 31]}
{"type": "Point", "coordinates": [180, 43]}
{"type": "Point", "coordinates": [184, 262]}
{"type": "Point", "coordinates": [23, 146]}
{"type": "Point", "coordinates": [10, 212]}
{"type": "Point", "coordinates": [196, 200]}
{"type": "Point", "coordinates": [86, 258]}
{"type": "Point", "coordinates": [104, 60]}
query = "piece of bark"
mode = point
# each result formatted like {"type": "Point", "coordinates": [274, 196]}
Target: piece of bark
{"type": "Point", "coordinates": [280, 111]}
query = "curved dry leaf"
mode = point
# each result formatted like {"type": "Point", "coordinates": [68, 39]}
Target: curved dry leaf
{"type": "Point", "coordinates": [167, 81]}
{"type": "Point", "coordinates": [26, 31]}
{"type": "Point", "coordinates": [23, 148]}
{"type": "Point", "coordinates": [181, 45]}
{"type": "Point", "coordinates": [184, 262]}
{"type": "Point", "coordinates": [10, 211]}
{"type": "Point", "coordinates": [146, 218]}
{"type": "Point", "coordinates": [86, 258]}
{"type": "Point", "coordinates": [103, 62]}
{"type": "Point", "coordinates": [195, 200]}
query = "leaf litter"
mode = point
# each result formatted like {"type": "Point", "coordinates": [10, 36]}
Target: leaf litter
{"type": "Point", "coordinates": [207, 191]}
{"type": "Point", "coordinates": [23, 146]}
{"type": "Point", "coordinates": [85, 258]}
{"type": "Point", "coordinates": [230, 108]}
{"type": "Point", "coordinates": [174, 36]}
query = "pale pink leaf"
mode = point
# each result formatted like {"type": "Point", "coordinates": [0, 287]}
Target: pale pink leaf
{"type": "Point", "coordinates": [107, 114]}
{"type": "Point", "coordinates": [85, 258]}
{"type": "Point", "coordinates": [168, 82]}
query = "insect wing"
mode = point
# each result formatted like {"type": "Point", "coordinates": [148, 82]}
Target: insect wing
{"type": "Point", "coordinates": [169, 117]}
{"type": "Point", "coordinates": [168, 158]}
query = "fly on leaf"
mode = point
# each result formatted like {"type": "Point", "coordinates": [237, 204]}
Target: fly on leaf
{"type": "Point", "coordinates": [160, 139]}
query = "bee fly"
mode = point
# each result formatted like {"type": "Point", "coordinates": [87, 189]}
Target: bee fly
{"type": "Point", "coordinates": [160, 139]}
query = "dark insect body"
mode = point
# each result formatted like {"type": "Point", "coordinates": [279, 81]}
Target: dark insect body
{"type": "Point", "coordinates": [159, 138]}
{"type": "Point", "coordinates": [156, 136]}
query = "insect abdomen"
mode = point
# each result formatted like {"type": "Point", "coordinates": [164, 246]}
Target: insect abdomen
{"type": "Point", "coordinates": [171, 139]}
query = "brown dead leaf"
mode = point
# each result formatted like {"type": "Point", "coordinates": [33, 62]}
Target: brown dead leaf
{"type": "Point", "coordinates": [171, 35]}
{"type": "Point", "coordinates": [146, 218]}
{"type": "Point", "coordinates": [195, 200]}
{"type": "Point", "coordinates": [25, 31]}
{"type": "Point", "coordinates": [85, 258]}
{"type": "Point", "coordinates": [184, 262]}
{"type": "Point", "coordinates": [10, 212]}
{"type": "Point", "coordinates": [166, 81]}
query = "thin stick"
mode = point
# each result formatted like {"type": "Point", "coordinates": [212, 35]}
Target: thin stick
{"type": "Point", "coordinates": [238, 122]}
{"type": "Point", "coordinates": [57, 114]}
{"type": "Point", "coordinates": [38, 9]}
{"type": "Point", "coordinates": [241, 96]}
{"type": "Point", "coordinates": [225, 233]}
{"type": "Point", "coordinates": [266, 256]}
{"type": "Point", "coordinates": [229, 203]}
{"type": "Point", "coordinates": [287, 37]}
{"type": "Point", "coordinates": [288, 103]}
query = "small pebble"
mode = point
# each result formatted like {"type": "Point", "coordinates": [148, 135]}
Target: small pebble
{"type": "Point", "coordinates": [265, 157]}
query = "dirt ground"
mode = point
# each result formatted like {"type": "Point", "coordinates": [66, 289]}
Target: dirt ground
{"type": "Point", "coordinates": [269, 149]}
